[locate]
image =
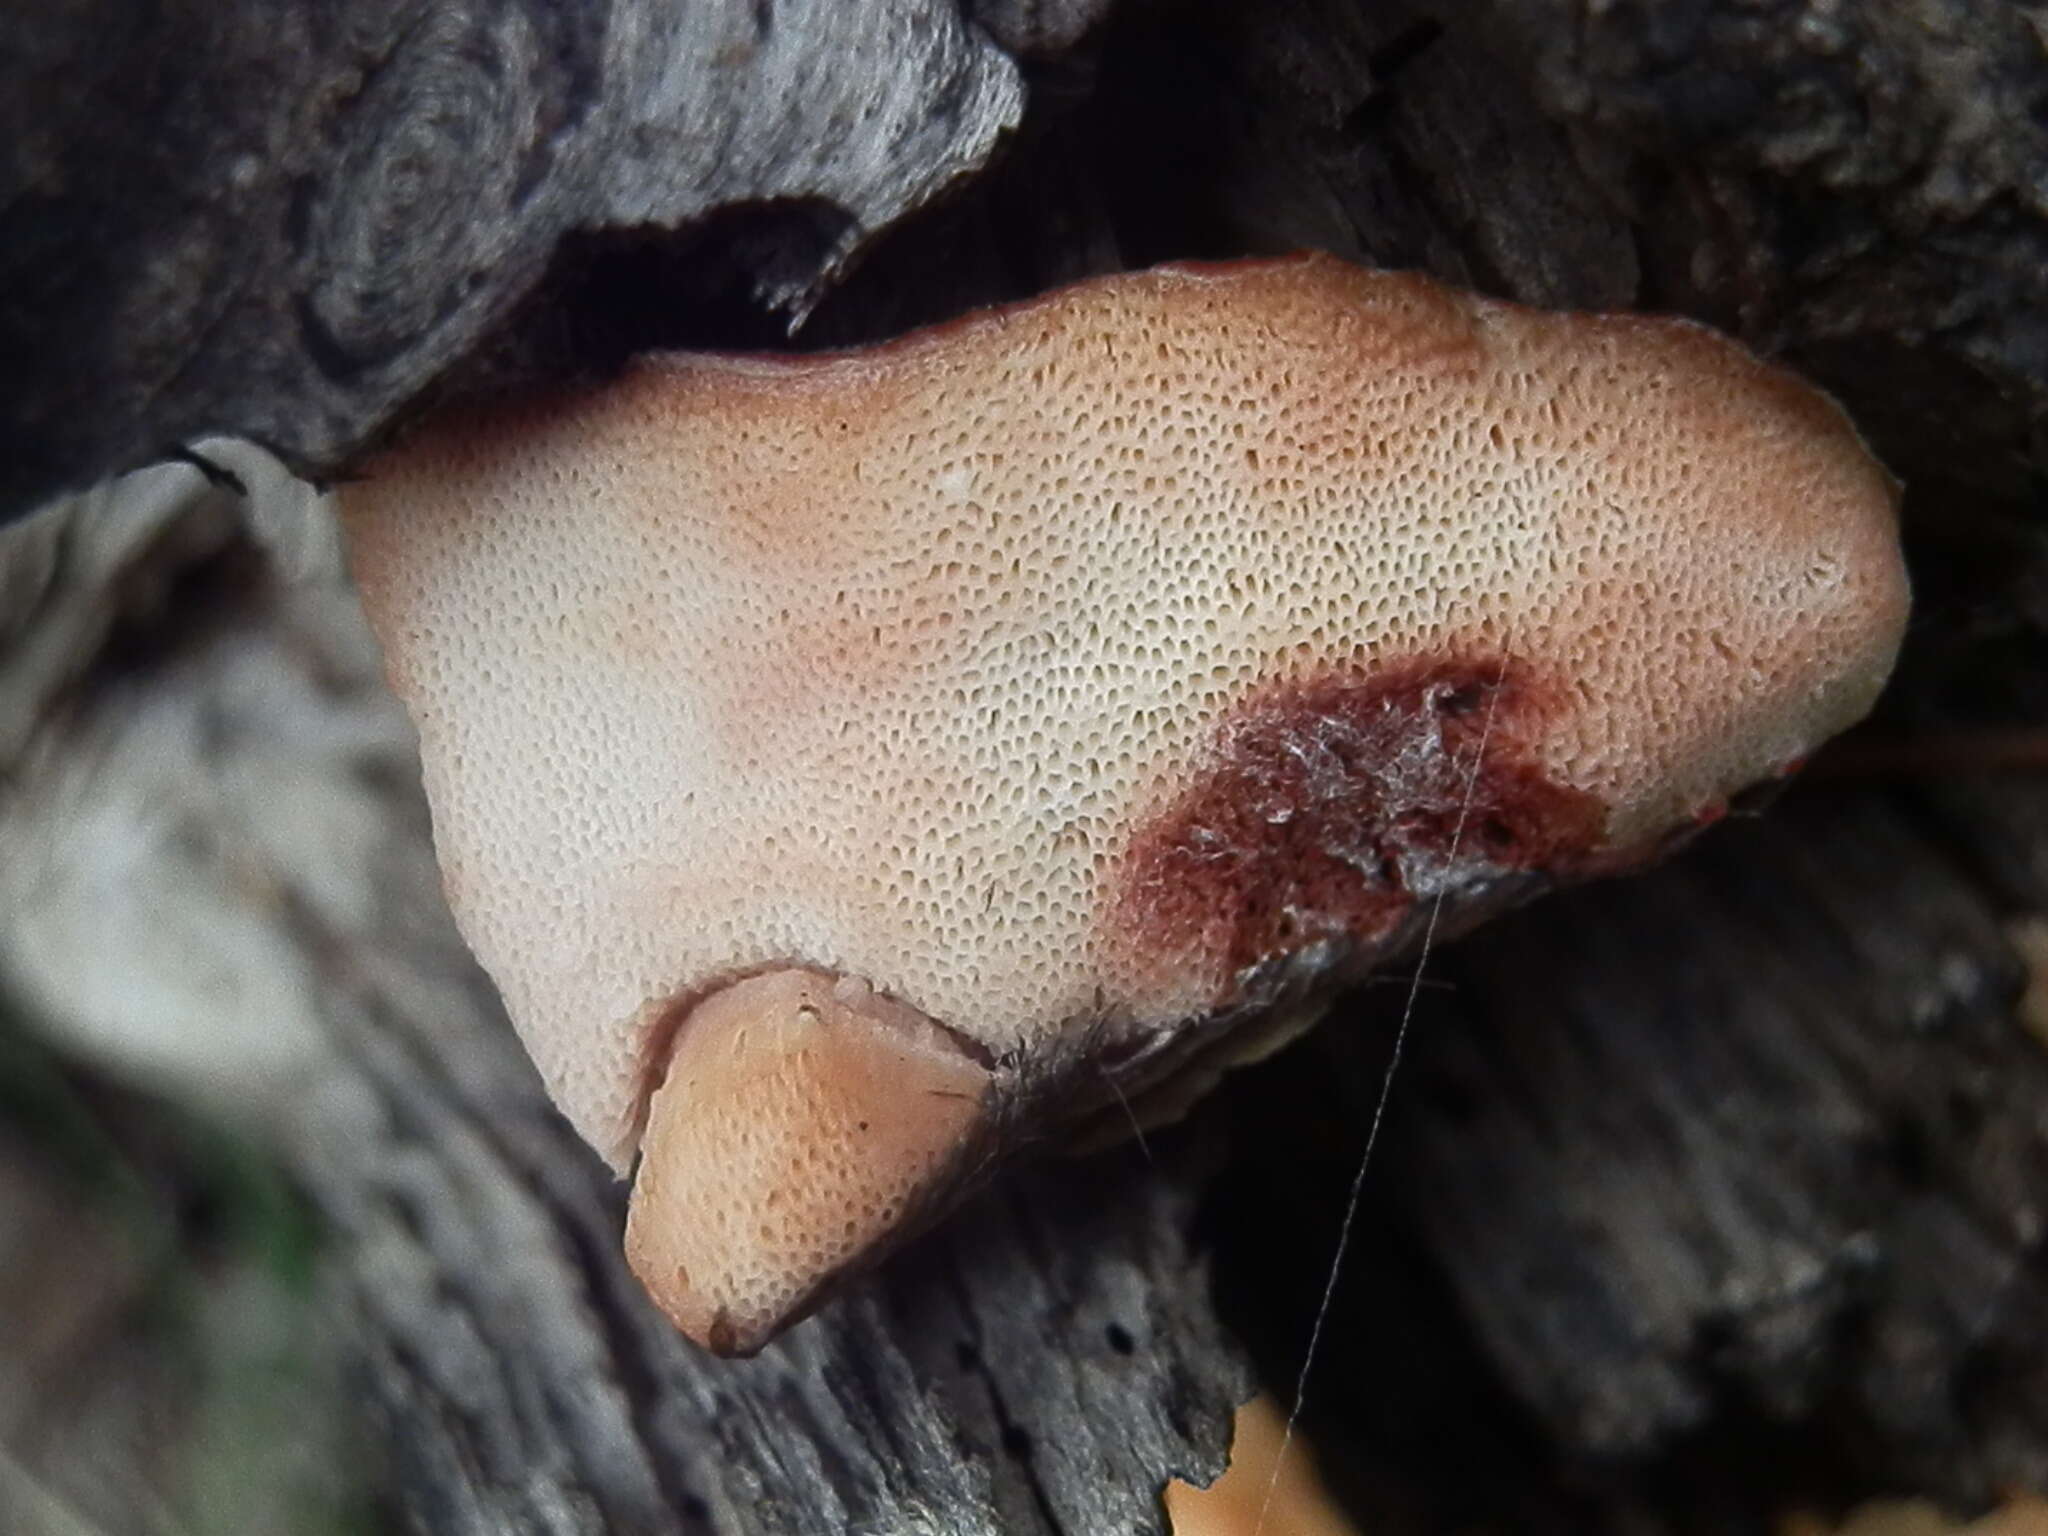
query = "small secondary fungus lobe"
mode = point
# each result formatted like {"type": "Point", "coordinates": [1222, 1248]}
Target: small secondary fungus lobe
{"type": "Point", "coordinates": [849, 767]}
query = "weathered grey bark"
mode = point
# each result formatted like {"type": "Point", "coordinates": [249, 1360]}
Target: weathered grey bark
{"type": "Point", "coordinates": [1771, 1136]}
{"type": "Point", "coordinates": [285, 223]}
{"type": "Point", "coordinates": [1863, 188]}
{"type": "Point", "coordinates": [1699, 1196]}
{"type": "Point", "coordinates": [1729, 1175]}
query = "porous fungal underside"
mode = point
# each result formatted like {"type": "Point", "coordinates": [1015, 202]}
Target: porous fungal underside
{"type": "Point", "coordinates": [908, 664]}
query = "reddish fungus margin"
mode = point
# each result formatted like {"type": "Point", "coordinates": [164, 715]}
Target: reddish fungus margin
{"type": "Point", "coordinates": [1327, 807]}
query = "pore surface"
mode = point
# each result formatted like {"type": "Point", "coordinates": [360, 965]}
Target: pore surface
{"type": "Point", "coordinates": [893, 664]}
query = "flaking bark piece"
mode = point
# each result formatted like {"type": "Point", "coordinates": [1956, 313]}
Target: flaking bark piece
{"type": "Point", "coordinates": [1096, 678]}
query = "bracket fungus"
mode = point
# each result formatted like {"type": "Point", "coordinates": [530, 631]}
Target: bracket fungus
{"type": "Point", "coordinates": [852, 767]}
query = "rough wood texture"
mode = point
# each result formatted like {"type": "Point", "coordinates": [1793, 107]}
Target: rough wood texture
{"type": "Point", "coordinates": [285, 224]}
{"type": "Point", "coordinates": [1793, 1062]}
{"type": "Point", "coordinates": [1700, 1197]}
{"type": "Point", "coordinates": [1864, 188]}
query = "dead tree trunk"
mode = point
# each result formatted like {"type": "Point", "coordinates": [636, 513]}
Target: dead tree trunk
{"type": "Point", "coordinates": [1701, 1197]}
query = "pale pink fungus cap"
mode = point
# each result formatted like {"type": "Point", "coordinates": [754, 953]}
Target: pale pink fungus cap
{"type": "Point", "coordinates": [1066, 675]}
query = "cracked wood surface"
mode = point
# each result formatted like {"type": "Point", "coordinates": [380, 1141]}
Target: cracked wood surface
{"type": "Point", "coordinates": [286, 223]}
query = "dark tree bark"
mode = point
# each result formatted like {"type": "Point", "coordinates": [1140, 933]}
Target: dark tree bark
{"type": "Point", "coordinates": [286, 222]}
{"type": "Point", "coordinates": [1699, 1197]}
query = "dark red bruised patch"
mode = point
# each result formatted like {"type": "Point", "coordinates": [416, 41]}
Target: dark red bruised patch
{"type": "Point", "coordinates": [1327, 808]}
